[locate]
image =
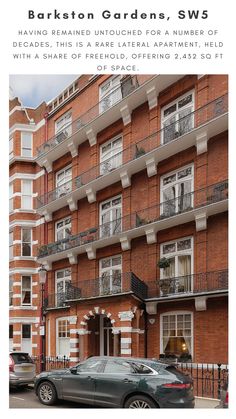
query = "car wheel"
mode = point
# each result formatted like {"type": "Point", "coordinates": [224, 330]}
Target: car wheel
{"type": "Point", "coordinates": [139, 402]}
{"type": "Point", "coordinates": [47, 393]}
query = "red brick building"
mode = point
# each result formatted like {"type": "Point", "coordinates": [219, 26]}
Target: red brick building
{"type": "Point", "coordinates": [129, 179]}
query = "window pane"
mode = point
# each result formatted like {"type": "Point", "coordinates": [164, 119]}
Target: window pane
{"type": "Point", "coordinates": [26, 202]}
{"type": "Point", "coordinates": [168, 248]}
{"type": "Point", "coordinates": [26, 187]}
{"type": "Point", "coordinates": [118, 367]}
{"type": "Point", "coordinates": [26, 282]}
{"type": "Point", "coordinates": [26, 235]}
{"type": "Point", "coordinates": [26, 331]}
{"type": "Point", "coordinates": [26, 139]}
{"type": "Point", "coordinates": [10, 331]}
{"type": "Point", "coordinates": [185, 101]}
{"type": "Point", "coordinates": [184, 172]}
{"type": "Point", "coordinates": [170, 110]}
{"type": "Point", "coordinates": [184, 244]}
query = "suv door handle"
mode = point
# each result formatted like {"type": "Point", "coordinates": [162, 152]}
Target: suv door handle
{"type": "Point", "coordinates": [126, 380]}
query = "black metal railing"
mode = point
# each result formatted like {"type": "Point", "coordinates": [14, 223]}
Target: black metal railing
{"type": "Point", "coordinates": [47, 363]}
{"type": "Point", "coordinates": [158, 139]}
{"type": "Point", "coordinates": [180, 205]}
{"type": "Point", "coordinates": [100, 287]}
{"type": "Point", "coordinates": [128, 84]}
{"type": "Point", "coordinates": [208, 379]}
{"type": "Point", "coordinates": [187, 284]}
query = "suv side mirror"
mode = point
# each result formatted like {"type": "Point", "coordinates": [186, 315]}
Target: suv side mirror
{"type": "Point", "coordinates": [73, 370]}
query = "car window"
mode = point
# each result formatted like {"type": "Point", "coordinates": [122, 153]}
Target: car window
{"type": "Point", "coordinates": [91, 365]}
{"type": "Point", "coordinates": [141, 368]}
{"type": "Point", "coordinates": [19, 358]}
{"type": "Point", "coordinates": [118, 366]}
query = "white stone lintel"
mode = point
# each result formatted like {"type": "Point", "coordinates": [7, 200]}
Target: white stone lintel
{"type": "Point", "coordinates": [152, 97]}
{"type": "Point", "coordinates": [125, 114]}
{"type": "Point", "coordinates": [201, 143]}
{"type": "Point", "coordinates": [201, 221]}
{"type": "Point", "coordinates": [125, 179]}
{"type": "Point", "coordinates": [125, 243]}
{"type": "Point", "coordinates": [151, 167]}
{"type": "Point", "coordinates": [200, 303]}
{"type": "Point", "coordinates": [92, 137]}
{"type": "Point", "coordinates": [151, 236]}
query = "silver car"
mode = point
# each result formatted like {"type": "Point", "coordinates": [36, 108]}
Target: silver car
{"type": "Point", "coordinates": [21, 369]}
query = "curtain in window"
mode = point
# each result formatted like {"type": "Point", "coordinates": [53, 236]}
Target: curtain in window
{"type": "Point", "coordinates": [184, 269]}
{"type": "Point", "coordinates": [169, 201]}
{"type": "Point", "coordinates": [184, 195]}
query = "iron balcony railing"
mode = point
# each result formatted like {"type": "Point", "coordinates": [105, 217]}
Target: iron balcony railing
{"type": "Point", "coordinates": [128, 84]}
{"type": "Point", "coordinates": [187, 284]}
{"type": "Point", "coordinates": [118, 283]}
{"type": "Point", "coordinates": [158, 139]}
{"type": "Point", "coordinates": [180, 205]}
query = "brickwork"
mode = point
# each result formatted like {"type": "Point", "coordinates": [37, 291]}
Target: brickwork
{"type": "Point", "coordinates": [132, 330]}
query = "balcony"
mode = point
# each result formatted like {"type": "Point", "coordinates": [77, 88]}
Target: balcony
{"type": "Point", "coordinates": [205, 282]}
{"type": "Point", "coordinates": [195, 206]}
{"type": "Point", "coordinates": [119, 103]}
{"type": "Point", "coordinates": [111, 285]}
{"type": "Point", "coordinates": [192, 130]}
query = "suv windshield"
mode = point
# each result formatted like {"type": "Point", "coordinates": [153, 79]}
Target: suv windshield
{"type": "Point", "coordinates": [21, 358]}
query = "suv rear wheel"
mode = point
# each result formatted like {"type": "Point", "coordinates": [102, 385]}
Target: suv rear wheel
{"type": "Point", "coordinates": [47, 393]}
{"type": "Point", "coordinates": [139, 402]}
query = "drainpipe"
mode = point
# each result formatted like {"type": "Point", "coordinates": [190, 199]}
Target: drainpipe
{"type": "Point", "coordinates": [146, 333]}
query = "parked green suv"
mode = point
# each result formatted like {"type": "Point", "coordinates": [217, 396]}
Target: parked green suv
{"type": "Point", "coordinates": [117, 382]}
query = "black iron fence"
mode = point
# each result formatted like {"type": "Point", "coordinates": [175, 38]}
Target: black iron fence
{"type": "Point", "coordinates": [47, 363]}
{"type": "Point", "coordinates": [202, 197]}
{"type": "Point", "coordinates": [208, 379]}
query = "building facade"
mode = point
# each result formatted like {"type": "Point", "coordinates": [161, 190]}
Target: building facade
{"type": "Point", "coordinates": [129, 179]}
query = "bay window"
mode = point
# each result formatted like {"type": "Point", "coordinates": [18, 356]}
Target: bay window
{"type": "Point", "coordinates": [27, 199]}
{"type": "Point", "coordinates": [26, 239]}
{"type": "Point", "coordinates": [11, 245]}
{"type": "Point", "coordinates": [110, 275]}
{"type": "Point", "coordinates": [177, 278]}
{"type": "Point", "coordinates": [177, 335]}
{"type": "Point", "coordinates": [11, 150]}
{"type": "Point", "coordinates": [11, 200]}
{"type": "Point", "coordinates": [177, 191]}
{"type": "Point", "coordinates": [26, 291]}
{"type": "Point", "coordinates": [177, 117]}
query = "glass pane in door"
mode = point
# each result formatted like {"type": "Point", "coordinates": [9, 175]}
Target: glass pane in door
{"type": "Point", "coordinates": [184, 196]}
{"type": "Point", "coordinates": [184, 273]}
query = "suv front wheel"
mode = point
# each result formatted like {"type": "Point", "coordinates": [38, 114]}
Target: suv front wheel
{"type": "Point", "coordinates": [47, 393]}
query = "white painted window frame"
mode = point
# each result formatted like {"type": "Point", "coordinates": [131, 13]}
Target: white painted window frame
{"type": "Point", "coordinates": [177, 111]}
{"type": "Point", "coordinates": [178, 253]}
{"type": "Point", "coordinates": [27, 148]}
{"type": "Point", "coordinates": [102, 212]}
{"type": "Point", "coordinates": [175, 172]}
{"type": "Point", "coordinates": [30, 182]}
{"type": "Point", "coordinates": [62, 220]}
{"type": "Point", "coordinates": [116, 157]}
{"type": "Point", "coordinates": [117, 267]}
{"type": "Point", "coordinates": [65, 318]}
{"type": "Point", "coordinates": [26, 304]}
{"type": "Point", "coordinates": [66, 116]}
{"type": "Point", "coordinates": [175, 313]}
{"type": "Point", "coordinates": [31, 246]}
{"type": "Point", "coordinates": [115, 87]}
{"type": "Point", "coordinates": [66, 186]}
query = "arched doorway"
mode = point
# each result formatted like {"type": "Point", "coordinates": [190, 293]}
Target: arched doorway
{"type": "Point", "coordinates": [101, 340]}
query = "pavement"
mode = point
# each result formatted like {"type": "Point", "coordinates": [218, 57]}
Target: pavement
{"type": "Point", "coordinates": [21, 398]}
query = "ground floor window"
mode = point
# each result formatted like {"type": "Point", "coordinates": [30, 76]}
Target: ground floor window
{"type": "Point", "coordinates": [63, 337]}
{"type": "Point", "coordinates": [10, 337]}
{"type": "Point", "coordinates": [177, 335]}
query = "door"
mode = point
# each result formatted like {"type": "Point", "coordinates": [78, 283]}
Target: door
{"type": "Point", "coordinates": [81, 386]}
{"type": "Point", "coordinates": [106, 337]}
{"type": "Point", "coordinates": [116, 380]}
{"type": "Point", "coordinates": [110, 275]}
{"type": "Point", "coordinates": [110, 217]}
{"type": "Point", "coordinates": [110, 155]}
{"type": "Point", "coordinates": [63, 182]}
{"type": "Point", "coordinates": [26, 344]}
{"type": "Point", "coordinates": [63, 281]}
